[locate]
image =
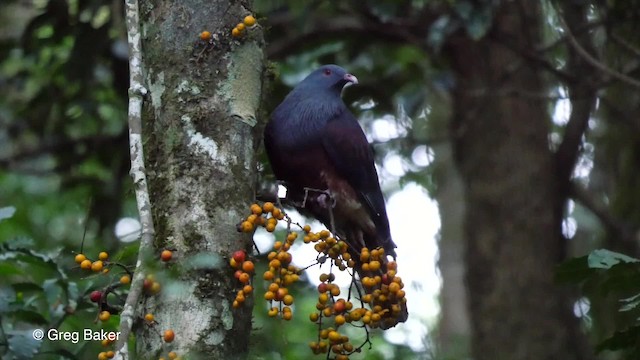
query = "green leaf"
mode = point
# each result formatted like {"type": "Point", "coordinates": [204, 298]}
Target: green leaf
{"type": "Point", "coordinates": [605, 259]}
{"type": "Point", "coordinates": [630, 303]}
{"type": "Point", "coordinates": [621, 339]}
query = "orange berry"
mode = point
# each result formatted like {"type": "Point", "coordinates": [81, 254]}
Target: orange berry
{"type": "Point", "coordinates": [246, 226]}
{"type": "Point", "coordinates": [247, 289]}
{"type": "Point", "coordinates": [125, 279]}
{"type": "Point", "coordinates": [241, 27]}
{"type": "Point", "coordinates": [340, 320]}
{"type": "Point", "coordinates": [235, 32]}
{"type": "Point", "coordinates": [96, 266]}
{"type": "Point", "coordinates": [103, 256]}
{"type": "Point", "coordinates": [277, 213]}
{"type": "Point", "coordinates": [104, 315]}
{"type": "Point", "coordinates": [273, 287]}
{"type": "Point", "coordinates": [235, 304]}
{"type": "Point", "coordinates": [268, 275]}
{"type": "Point", "coordinates": [314, 317]}
{"type": "Point", "coordinates": [110, 354]}
{"type": "Point", "coordinates": [249, 20]}
{"type": "Point", "coordinates": [268, 207]}
{"type": "Point", "coordinates": [85, 264]}
{"type": "Point", "coordinates": [244, 278]}
{"type": "Point", "coordinates": [248, 266]}
{"type": "Point", "coordinates": [205, 35]}
{"type": "Point", "coordinates": [169, 335]}
{"type": "Point", "coordinates": [306, 229]}
{"type": "Point", "coordinates": [80, 258]}
{"type": "Point", "coordinates": [172, 355]}
{"type": "Point", "coordinates": [149, 317]}
{"type": "Point", "coordinates": [255, 208]}
{"type": "Point", "coordinates": [287, 316]}
{"type": "Point", "coordinates": [273, 312]}
{"type": "Point", "coordinates": [102, 356]}
{"type": "Point", "coordinates": [166, 255]}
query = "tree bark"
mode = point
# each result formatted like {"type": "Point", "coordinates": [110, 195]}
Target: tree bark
{"type": "Point", "coordinates": [200, 138]}
{"type": "Point", "coordinates": [512, 223]}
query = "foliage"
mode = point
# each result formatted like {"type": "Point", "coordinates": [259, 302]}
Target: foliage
{"type": "Point", "coordinates": [605, 273]}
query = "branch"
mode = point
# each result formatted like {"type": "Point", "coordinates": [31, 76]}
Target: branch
{"type": "Point", "coordinates": [138, 173]}
{"type": "Point", "coordinates": [597, 208]}
{"type": "Point", "coordinates": [593, 61]}
{"type": "Point", "coordinates": [582, 95]}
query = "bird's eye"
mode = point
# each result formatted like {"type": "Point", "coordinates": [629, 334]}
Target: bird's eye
{"type": "Point", "coordinates": [327, 72]}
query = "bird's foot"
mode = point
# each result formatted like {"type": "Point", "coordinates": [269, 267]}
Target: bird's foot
{"type": "Point", "coordinates": [324, 199]}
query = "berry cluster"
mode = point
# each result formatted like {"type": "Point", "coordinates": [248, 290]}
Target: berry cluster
{"type": "Point", "coordinates": [248, 21]}
{"type": "Point", "coordinates": [244, 270]}
{"type": "Point", "coordinates": [379, 288]}
{"type": "Point", "coordinates": [103, 265]}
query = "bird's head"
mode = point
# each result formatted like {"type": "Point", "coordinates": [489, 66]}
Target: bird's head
{"type": "Point", "coordinates": [329, 77]}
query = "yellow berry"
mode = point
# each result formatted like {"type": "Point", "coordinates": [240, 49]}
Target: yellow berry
{"type": "Point", "coordinates": [172, 355]}
{"type": "Point", "coordinates": [249, 20]}
{"type": "Point", "coordinates": [96, 266]}
{"type": "Point", "coordinates": [288, 299]}
{"type": "Point", "coordinates": [340, 319]}
{"type": "Point", "coordinates": [235, 32]}
{"type": "Point", "coordinates": [314, 317]}
{"type": "Point", "coordinates": [273, 312]}
{"type": "Point", "coordinates": [103, 256]}
{"type": "Point", "coordinates": [125, 279]}
{"type": "Point", "coordinates": [287, 316]}
{"type": "Point", "coordinates": [334, 336]}
{"type": "Point", "coordinates": [85, 264]}
{"type": "Point", "coordinates": [104, 315]}
{"type": "Point", "coordinates": [102, 356]}
{"type": "Point", "coordinates": [149, 317]}
{"type": "Point", "coordinates": [80, 258]}
{"type": "Point", "coordinates": [269, 295]}
{"type": "Point", "coordinates": [240, 27]}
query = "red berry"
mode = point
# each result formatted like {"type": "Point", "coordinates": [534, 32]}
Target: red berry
{"type": "Point", "coordinates": [95, 296]}
{"type": "Point", "coordinates": [239, 256]}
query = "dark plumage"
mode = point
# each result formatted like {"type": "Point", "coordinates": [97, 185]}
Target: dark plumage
{"type": "Point", "coordinates": [314, 142]}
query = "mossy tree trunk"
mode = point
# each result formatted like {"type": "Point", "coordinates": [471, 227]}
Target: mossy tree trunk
{"type": "Point", "coordinates": [200, 139]}
{"type": "Point", "coordinates": [512, 223]}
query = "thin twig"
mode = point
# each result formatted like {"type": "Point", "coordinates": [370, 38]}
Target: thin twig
{"type": "Point", "coordinates": [593, 61]}
{"type": "Point", "coordinates": [138, 173]}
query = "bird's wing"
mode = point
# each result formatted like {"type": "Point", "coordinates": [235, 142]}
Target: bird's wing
{"type": "Point", "coordinates": [349, 151]}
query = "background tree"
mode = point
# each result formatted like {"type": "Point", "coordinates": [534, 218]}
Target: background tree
{"type": "Point", "coordinates": [536, 101]}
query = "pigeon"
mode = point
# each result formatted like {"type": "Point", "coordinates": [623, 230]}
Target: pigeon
{"type": "Point", "coordinates": [319, 152]}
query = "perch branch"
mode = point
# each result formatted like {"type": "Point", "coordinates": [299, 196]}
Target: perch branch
{"type": "Point", "coordinates": [136, 96]}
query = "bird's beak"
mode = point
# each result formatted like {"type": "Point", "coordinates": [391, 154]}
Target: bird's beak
{"type": "Point", "coordinates": [350, 78]}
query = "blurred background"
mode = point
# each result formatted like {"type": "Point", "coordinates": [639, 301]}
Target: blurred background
{"type": "Point", "coordinates": [507, 139]}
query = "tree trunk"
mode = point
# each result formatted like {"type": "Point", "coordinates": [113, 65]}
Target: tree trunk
{"type": "Point", "coordinates": [454, 323]}
{"type": "Point", "coordinates": [200, 139]}
{"type": "Point", "coordinates": [512, 223]}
